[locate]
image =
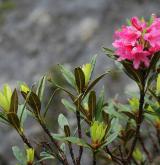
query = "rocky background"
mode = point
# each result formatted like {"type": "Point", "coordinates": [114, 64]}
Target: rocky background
{"type": "Point", "coordinates": [38, 34]}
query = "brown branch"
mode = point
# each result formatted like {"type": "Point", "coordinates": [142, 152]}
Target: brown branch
{"type": "Point", "coordinates": [139, 121]}
{"type": "Point", "coordinates": [94, 158]}
{"type": "Point", "coordinates": [145, 149]}
{"type": "Point", "coordinates": [71, 153]}
{"type": "Point", "coordinates": [114, 158]}
{"type": "Point", "coordinates": [78, 159]}
{"type": "Point", "coordinates": [26, 141]}
{"type": "Point", "coordinates": [62, 156]}
{"type": "Point", "coordinates": [155, 146]}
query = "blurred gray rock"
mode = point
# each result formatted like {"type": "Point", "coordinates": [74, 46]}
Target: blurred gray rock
{"type": "Point", "coordinates": [38, 34]}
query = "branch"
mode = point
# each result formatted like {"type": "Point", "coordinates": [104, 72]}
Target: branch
{"type": "Point", "coordinates": [78, 159]}
{"type": "Point", "coordinates": [139, 121]}
{"type": "Point", "coordinates": [145, 149]}
{"type": "Point", "coordinates": [114, 158]}
{"type": "Point", "coordinates": [26, 141]}
{"type": "Point", "coordinates": [71, 153]}
{"type": "Point", "coordinates": [62, 156]}
{"type": "Point", "coordinates": [94, 158]}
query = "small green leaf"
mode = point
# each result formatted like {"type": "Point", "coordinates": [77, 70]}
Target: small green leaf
{"type": "Point", "coordinates": [94, 82]}
{"type": "Point", "coordinates": [22, 111]}
{"type": "Point", "coordinates": [67, 130]}
{"type": "Point", "coordinates": [80, 79]}
{"type": "Point", "coordinates": [158, 85]}
{"type": "Point", "coordinates": [14, 120]}
{"type": "Point", "coordinates": [33, 101]}
{"type": "Point", "coordinates": [134, 74]}
{"type": "Point", "coordinates": [110, 53]}
{"type": "Point", "coordinates": [19, 155]}
{"type": "Point", "coordinates": [99, 106]}
{"type": "Point", "coordinates": [77, 141]}
{"type": "Point", "coordinates": [110, 139]}
{"type": "Point", "coordinates": [91, 104]}
{"type": "Point", "coordinates": [41, 87]}
{"type": "Point", "coordinates": [74, 140]}
{"type": "Point", "coordinates": [68, 75]}
{"type": "Point", "coordinates": [14, 102]}
{"type": "Point", "coordinates": [68, 105]}
{"type": "Point", "coordinates": [93, 62]}
{"type": "Point", "coordinates": [45, 156]}
{"type": "Point", "coordinates": [63, 147]}
{"type": "Point", "coordinates": [62, 120]}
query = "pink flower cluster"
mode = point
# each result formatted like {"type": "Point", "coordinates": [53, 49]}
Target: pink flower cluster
{"type": "Point", "coordinates": [138, 42]}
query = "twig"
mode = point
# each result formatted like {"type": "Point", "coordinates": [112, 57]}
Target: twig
{"type": "Point", "coordinates": [158, 135]}
{"type": "Point", "coordinates": [94, 158]}
{"type": "Point", "coordinates": [121, 154]}
{"type": "Point", "coordinates": [154, 143]}
{"type": "Point", "coordinates": [78, 116]}
{"type": "Point", "coordinates": [71, 153]}
{"type": "Point", "coordinates": [139, 121]}
{"type": "Point", "coordinates": [114, 158]}
{"type": "Point", "coordinates": [145, 149]}
{"type": "Point", "coordinates": [78, 159]}
{"type": "Point", "coordinates": [26, 141]}
{"type": "Point", "coordinates": [62, 157]}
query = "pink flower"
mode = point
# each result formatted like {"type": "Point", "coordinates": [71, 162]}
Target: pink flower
{"type": "Point", "coordinates": [138, 42]}
{"type": "Point", "coordinates": [140, 56]}
{"type": "Point", "coordinates": [139, 25]}
{"type": "Point", "coordinates": [153, 35]}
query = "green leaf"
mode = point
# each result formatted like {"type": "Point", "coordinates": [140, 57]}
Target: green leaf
{"type": "Point", "coordinates": [110, 139]}
{"type": "Point", "coordinates": [94, 82]}
{"type": "Point", "coordinates": [129, 114]}
{"type": "Point", "coordinates": [50, 101]}
{"type": "Point", "coordinates": [63, 147]}
{"type": "Point", "coordinates": [3, 118]}
{"type": "Point", "coordinates": [80, 79]}
{"type": "Point", "coordinates": [14, 102]}
{"type": "Point", "coordinates": [93, 62]}
{"type": "Point", "coordinates": [67, 130]}
{"type": "Point", "coordinates": [77, 141]}
{"type": "Point", "coordinates": [68, 75]}
{"type": "Point", "coordinates": [62, 120]}
{"type": "Point", "coordinates": [68, 105]}
{"type": "Point", "coordinates": [158, 85]}
{"type": "Point", "coordinates": [45, 156]}
{"type": "Point", "coordinates": [113, 132]}
{"type": "Point", "coordinates": [22, 111]}
{"type": "Point", "coordinates": [14, 120]}
{"type": "Point", "coordinates": [41, 87]}
{"type": "Point", "coordinates": [110, 109]}
{"type": "Point", "coordinates": [33, 101]}
{"type": "Point", "coordinates": [65, 90]}
{"type": "Point", "coordinates": [153, 62]}
{"type": "Point", "coordinates": [91, 104]}
{"type": "Point", "coordinates": [19, 155]}
{"type": "Point", "coordinates": [110, 53]}
{"type": "Point", "coordinates": [134, 74]}
{"type": "Point", "coordinates": [58, 137]}
{"type": "Point", "coordinates": [74, 140]}
{"type": "Point", "coordinates": [99, 106]}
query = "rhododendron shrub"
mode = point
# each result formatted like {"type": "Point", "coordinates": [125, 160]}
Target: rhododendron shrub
{"type": "Point", "coordinates": [109, 131]}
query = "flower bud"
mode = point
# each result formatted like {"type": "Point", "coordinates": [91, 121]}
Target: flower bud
{"type": "Point", "coordinates": [30, 155]}
{"type": "Point", "coordinates": [24, 88]}
{"type": "Point", "coordinates": [5, 97]}
{"type": "Point", "coordinates": [158, 85]}
{"type": "Point", "coordinates": [87, 68]}
{"type": "Point", "coordinates": [98, 132]}
{"type": "Point", "coordinates": [137, 154]}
